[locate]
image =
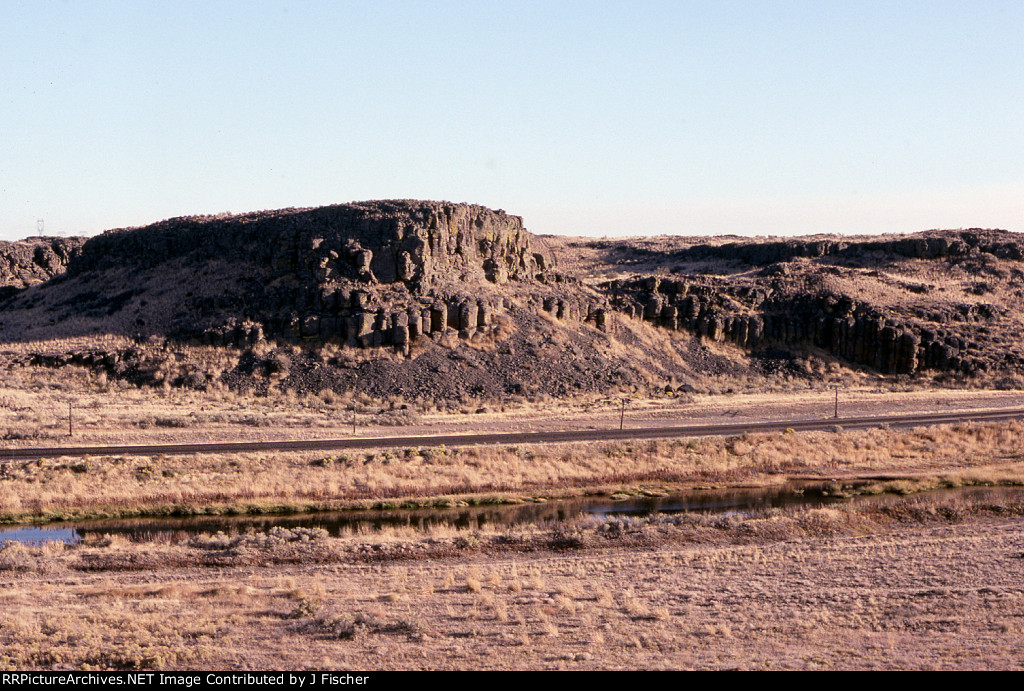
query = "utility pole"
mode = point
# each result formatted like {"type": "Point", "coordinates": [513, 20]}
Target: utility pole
{"type": "Point", "coordinates": [622, 415]}
{"type": "Point", "coordinates": [353, 418]}
{"type": "Point", "coordinates": [836, 387]}
{"type": "Point", "coordinates": [70, 433]}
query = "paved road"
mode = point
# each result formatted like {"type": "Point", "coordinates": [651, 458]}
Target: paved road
{"type": "Point", "coordinates": [519, 437]}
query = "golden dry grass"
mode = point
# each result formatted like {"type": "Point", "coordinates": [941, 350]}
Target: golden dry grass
{"type": "Point", "coordinates": [966, 454]}
{"type": "Point", "coordinates": [969, 453]}
{"type": "Point", "coordinates": [835, 588]}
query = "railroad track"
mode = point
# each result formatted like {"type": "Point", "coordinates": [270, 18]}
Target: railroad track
{"type": "Point", "coordinates": [452, 440]}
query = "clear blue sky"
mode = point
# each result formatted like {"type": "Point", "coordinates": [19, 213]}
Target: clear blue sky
{"type": "Point", "coordinates": [597, 118]}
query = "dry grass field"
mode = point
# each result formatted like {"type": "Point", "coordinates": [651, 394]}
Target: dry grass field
{"type": "Point", "coordinates": [920, 585]}
{"type": "Point", "coordinates": [391, 318]}
{"type": "Point", "coordinates": [78, 487]}
{"type": "Point", "coordinates": [928, 583]}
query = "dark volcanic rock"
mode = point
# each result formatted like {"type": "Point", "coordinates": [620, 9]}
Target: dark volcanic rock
{"type": "Point", "coordinates": [34, 260]}
{"type": "Point", "coordinates": [443, 301]}
{"type": "Point", "coordinates": [370, 274]}
{"type": "Point", "coordinates": [798, 299]}
{"type": "Point", "coordinates": [418, 244]}
{"type": "Point", "coordinates": [929, 245]}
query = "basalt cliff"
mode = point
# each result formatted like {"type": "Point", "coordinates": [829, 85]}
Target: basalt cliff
{"type": "Point", "coordinates": [442, 300]}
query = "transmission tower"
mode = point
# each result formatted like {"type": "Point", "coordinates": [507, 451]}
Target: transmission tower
{"type": "Point", "coordinates": [39, 227]}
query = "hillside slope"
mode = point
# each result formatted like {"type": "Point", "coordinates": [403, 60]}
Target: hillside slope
{"type": "Point", "coordinates": [443, 301]}
{"type": "Point", "coordinates": [933, 302]}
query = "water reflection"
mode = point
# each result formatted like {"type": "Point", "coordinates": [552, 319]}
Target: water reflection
{"type": "Point", "coordinates": [36, 535]}
{"type": "Point", "coordinates": [339, 523]}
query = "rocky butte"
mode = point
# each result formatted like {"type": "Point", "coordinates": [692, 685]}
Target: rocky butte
{"type": "Point", "coordinates": [367, 275]}
{"type": "Point", "coordinates": [442, 300]}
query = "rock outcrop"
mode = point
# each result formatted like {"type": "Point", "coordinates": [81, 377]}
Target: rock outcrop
{"type": "Point", "coordinates": [751, 320]}
{"type": "Point", "coordinates": [418, 244]}
{"type": "Point", "coordinates": [936, 244]}
{"type": "Point", "coordinates": [324, 298]}
{"type": "Point", "coordinates": [34, 260]}
{"type": "Point", "coordinates": [365, 275]}
{"type": "Point", "coordinates": [797, 299]}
